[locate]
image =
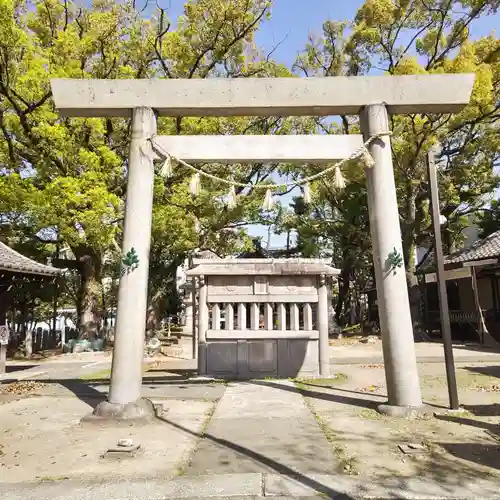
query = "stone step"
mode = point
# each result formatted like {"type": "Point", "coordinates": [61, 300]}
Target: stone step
{"type": "Point", "coordinates": [252, 486]}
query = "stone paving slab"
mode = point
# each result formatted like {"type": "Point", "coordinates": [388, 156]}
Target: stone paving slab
{"type": "Point", "coordinates": [180, 487]}
{"type": "Point", "coordinates": [181, 391]}
{"type": "Point", "coordinates": [259, 427]}
{"type": "Point", "coordinates": [253, 486]}
{"type": "Point", "coordinates": [380, 488]}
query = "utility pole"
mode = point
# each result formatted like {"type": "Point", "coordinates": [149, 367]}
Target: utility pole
{"type": "Point", "coordinates": [444, 312]}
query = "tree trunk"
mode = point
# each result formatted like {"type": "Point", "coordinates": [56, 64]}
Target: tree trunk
{"type": "Point", "coordinates": [162, 294]}
{"type": "Point", "coordinates": [153, 318]}
{"type": "Point", "coordinates": [89, 294]}
{"type": "Point", "coordinates": [344, 280]}
{"type": "Point", "coordinates": [409, 249]}
{"type": "Point", "coordinates": [26, 333]}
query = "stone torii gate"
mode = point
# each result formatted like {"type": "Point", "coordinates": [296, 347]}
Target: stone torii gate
{"type": "Point", "coordinates": [372, 98]}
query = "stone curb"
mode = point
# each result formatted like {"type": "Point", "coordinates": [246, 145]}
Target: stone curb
{"type": "Point", "coordinates": [253, 485]}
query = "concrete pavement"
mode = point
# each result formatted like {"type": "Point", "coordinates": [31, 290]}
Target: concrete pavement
{"type": "Point", "coordinates": [262, 427]}
{"type": "Point", "coordinates": [262, 438]}
{"type": "Point", "coordinates": [250, 486]}
{"type": "Point", "coordinates": [53, 369]}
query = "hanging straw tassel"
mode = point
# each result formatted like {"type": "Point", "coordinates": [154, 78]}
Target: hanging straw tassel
{"type": "Point", "coordinates": [231, 198]}
{"type": "Point", "coordinates": [166, 170]}
{"type": "Point", "coordinates": [146, 149]}
{"type": "Point", "coordinates": [368, 159]}
{"type": "Point", "coordinates": [306, 196]}
{"type": "Point", "coordinates": [194, 185]}
{"type": "Point", "coordinates": [268, 200]}
{"type": "Point", "coordinates": [339, 182]}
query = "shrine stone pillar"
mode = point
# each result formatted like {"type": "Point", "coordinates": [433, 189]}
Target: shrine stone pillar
{"type": "Point", "coordinates": [403, 387]}
{"type": "Point", "coordinates": [124, 400]}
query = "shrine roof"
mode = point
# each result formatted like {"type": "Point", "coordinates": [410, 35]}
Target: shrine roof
{"type": "Point", "coordinates": [486, 248]}
{"type": "Point", "coordinates": [13, 261]}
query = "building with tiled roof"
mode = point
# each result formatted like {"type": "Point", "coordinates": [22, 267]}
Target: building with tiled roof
{"type": "Point", "coordinates": [473, 288]}
{"type": "Point", "coordinates": [15, 268]}
{"type": "Point", "coordinates": [14, 262]}
{"type": "Point", "coordinates": [485, 249]}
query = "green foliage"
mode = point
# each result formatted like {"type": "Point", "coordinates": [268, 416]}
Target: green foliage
{"type": "Point", "coordinates": [70, 173]}
{"type": "Point", "coordinates": [408, 37]}
{"type": "Point", "coordinates": [489, 220]}
{"type": "Point", "coordinates": [64, 178]}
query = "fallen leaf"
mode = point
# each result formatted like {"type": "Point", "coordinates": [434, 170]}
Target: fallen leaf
{"type": "Point", "coordinates": [22, 387]}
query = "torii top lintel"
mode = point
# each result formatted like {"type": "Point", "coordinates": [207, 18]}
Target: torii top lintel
{"type": "Point", "coordinates": [317, 96]}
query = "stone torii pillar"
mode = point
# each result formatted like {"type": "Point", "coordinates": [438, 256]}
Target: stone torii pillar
{"type": "Point", "coordinates": [370, 97]}
{"type": "Point", "coordinates": [124, 401]}
{"type": "Point", "coordinates": [392, 292]}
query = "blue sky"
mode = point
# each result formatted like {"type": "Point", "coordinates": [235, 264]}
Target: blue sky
{"type": "Point", "coordinates": [291, 24]}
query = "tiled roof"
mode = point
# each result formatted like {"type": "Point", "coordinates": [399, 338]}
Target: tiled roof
{"type": "Point", "coordinates": [13, 261]}
{"type": "Point", "coordinates": [487, 248]}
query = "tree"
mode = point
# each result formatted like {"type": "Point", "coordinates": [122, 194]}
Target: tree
{"type": "Point", "coordinates": [414, 36]}
{"type": "Point", "coordinates": [69, 174]}
{"type": "Point", "coordinates": [489, 220]}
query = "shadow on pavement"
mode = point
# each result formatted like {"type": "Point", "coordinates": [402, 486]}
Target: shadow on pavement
{"type": "Point", "coordinates": [477, 348]}
{"type": "Point", "coordinates": [19, 368]}
{"type": "Point", "coordinates": [182, 373]}
{"type": "Point", "coordinates": [350, 391]}
{"type": "Point", "coordinates": [478, 453]}
{"type": "Point", "coordinates": [334, 398]}
{"type": "Point", "coordinates": [80, 388]}
{"type": "Point", "coordinates": [83, 392]}
{"type": "Point", "coordinates": [272, 464]}
{"type": "Point", "coordinates": [491, 428]}
{"type": "Point", "coordinates": [490, 410]}
{"type": "Point", "coordinates": [489, 371]}
{"type": "Point", "coordinates": [337, 398]}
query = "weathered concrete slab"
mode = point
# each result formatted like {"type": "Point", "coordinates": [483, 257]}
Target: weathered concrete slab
{"type": "Point", "coordinates": [43, 439]}
{"type": "Point", "coordinates": [319, 96]}
{"type": "Point", "coordinates": [205, 392]}
{"type": "Point", "coordinates": [252, 486]}
{"type": "Point", "coordinates": [259, 427]}
{"type": "Point", "coordinates": [379, 488]}
{"type": "Point", "coordinates": [260, 148]}
{"type": "Point", "coordinates": [152, 489]}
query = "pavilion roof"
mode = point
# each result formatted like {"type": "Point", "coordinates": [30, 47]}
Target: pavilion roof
{"type": "Point", "coordinates": [14, 262]}
{"type": "Point", "coordinates": [486, 248]}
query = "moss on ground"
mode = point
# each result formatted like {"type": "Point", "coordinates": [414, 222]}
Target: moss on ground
{"type": "Point", "coordinates": [334, 380]}
{"type": "Point", "coordinates": [99, 375]}
{"type": "Point", "coordinates": [346, 463]}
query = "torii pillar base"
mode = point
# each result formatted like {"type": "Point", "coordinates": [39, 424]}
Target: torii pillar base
{"type": "Point", "coordinates": [140, 411]}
